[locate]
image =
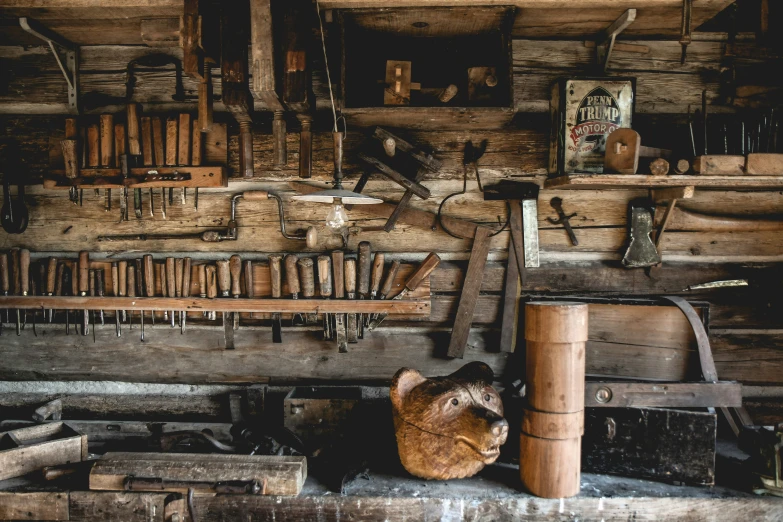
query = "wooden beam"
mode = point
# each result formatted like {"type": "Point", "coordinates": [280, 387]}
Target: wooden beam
{"type": "Point", "coordinates": [34, 506]}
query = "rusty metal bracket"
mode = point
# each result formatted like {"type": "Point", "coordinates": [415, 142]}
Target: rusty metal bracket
{"type": "Point", "coordinates": [685, 31]}
{"type": "Point", "coordinates": [70, 69]}
{"type": "Point", "coordinates": [605, 45]}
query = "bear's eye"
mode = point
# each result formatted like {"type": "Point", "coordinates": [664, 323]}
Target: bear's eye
{"type": "Point", "coordinates": [454, 402]}
{"type": "Point", "coordinates": [487, 397]}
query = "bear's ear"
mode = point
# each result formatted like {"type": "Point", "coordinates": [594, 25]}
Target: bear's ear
{"type": "Point", "coordinates": [475, 371]}
{"type": "Point", "coordinates": [402, 383]}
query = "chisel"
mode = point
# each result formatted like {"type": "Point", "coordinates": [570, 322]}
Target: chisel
{"type": "Point", "coordinates": [351, 331]}
{"type": "Point", "coordinates": [307, 282]}
{"type": "Point", "coordinates": [131, 291]}
{"type": "Point", "coordinates": [84, 285]}
{"type": "Point", "coordinates": [115, 289]}
{"type": "Point", "coordinates": [375, 278]}
{"type": "Point", "coordinates": [235, 268]}
{"type": "Point", "coordinates": [120, 151]}
{"type": "Point", "coordinates": [202, 284]}
{"type": "Point", "coordinates": [363, 283]}
{"type": "Point", "coordinates": [325, 288]}
{"type": "Point", "coordinates": [179, 268]}
{"type": "Point", "coordinates": [249, 282]}
{"type": "Point", "coordinates": [224, 285]}
{"type": "Point", "coordinates": [276, 281]}
{"type": "Point", "coordinates": [71, 154]}
{"type": "Point", "coordinates": [414, 280]}
{"type": "Point", "coordinates": [339, 293]}
{"type": "Point", "coordinates": [160, 275]}
{"type": "Point", "coordinates": [171, 284]}
{"type": "Point", "coordinates": [211, 273]}
{"type": "Point", "coordinates": [149, 282]}
{"type": "Point", "coordinates": [99, 286]}
{"type": "Point", "coordinates": [186, 271]}
{"type": "Point", "coordinates": [107, 150]}
{"type": "Point", "coordinates": [15, 289]}
{"type": "Point", "coordinates": [70, 288]}
{"type": "Point", "coordinates": [292, 278]}
{"type": "Point", "coordinates": [134, 150]}
{"type": "Point", "coordinates": [91, 277]}
{"type": "Point", "coordinates": [24, 277]}
{"type": "Point", "coordinates": [122, 269]}
{"type": "Point", "coordinates": [4, 282]}
{"type": "Point", "coordinates": [51, 278]}
{"type": "Point", "coordinates": [58, 282]}
{"type": "Point", "coordinates": [387, 283]}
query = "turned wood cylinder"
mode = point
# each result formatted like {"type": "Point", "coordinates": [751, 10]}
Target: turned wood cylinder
{"type": "Point", "coordinates": [553, 422]}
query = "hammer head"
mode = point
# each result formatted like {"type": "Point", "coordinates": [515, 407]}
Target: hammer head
{"type": "Point", "coordinates": [511, 190]}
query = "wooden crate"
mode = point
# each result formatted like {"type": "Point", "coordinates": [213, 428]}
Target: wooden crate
{"type": "Point", "coordinates": [25, 450]}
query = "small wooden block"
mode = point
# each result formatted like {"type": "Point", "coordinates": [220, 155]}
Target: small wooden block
{"type": "Point", "coordinates": [719, 165]}
{"type": "Point", "coordinates": [622, 151]}
{"type": "Point", "coordinates": [398, 83]}
{"type": "Point", "coordinates": [764, 164]}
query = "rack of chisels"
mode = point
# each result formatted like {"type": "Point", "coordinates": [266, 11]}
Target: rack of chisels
{"type": "Point", "coordinates": [135, 157]}
{"type": "Point", "coordinates": [345, 295]}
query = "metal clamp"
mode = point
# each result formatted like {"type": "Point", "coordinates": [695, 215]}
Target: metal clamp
{"type": "Point", "coordinates": [71, 68]}
{"type": "Point", "coordinates": [605, 46]}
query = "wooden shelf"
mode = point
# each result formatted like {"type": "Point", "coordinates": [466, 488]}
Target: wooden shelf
{"type": "Point", "coordinates": [630, 181]}
{"type": "Point", "coordinates": [111, 178]}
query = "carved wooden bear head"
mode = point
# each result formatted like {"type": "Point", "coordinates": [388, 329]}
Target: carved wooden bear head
{"type": "Point", "coordinates": [447, 427]}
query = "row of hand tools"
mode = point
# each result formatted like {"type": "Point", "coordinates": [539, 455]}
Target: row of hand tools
{"type": "Point", "coordinates": [143, 141]}
{"type": "Point", "coordinates": [338, 277]}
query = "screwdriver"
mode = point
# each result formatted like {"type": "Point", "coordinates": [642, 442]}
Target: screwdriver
{"type": "Point", "coordinates": [414, 280]}
{"type": "Point", "coordinates": [325, 288]}
{"type": "Point", "coordinates": [185, 292]}
{"type": "Point", "coordinates": [276, 281]}
{"type": "Point", "coordinates": [211, 273]}
{"type": "Point", "coordinates": [235, 268]}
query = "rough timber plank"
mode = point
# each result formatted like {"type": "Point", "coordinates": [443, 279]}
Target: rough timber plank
{"type": "Point", "coordinates": [34, 506]}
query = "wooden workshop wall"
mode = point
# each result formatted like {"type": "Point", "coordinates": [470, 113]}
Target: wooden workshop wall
{"type": "Point", "coordinates": [746, 327]}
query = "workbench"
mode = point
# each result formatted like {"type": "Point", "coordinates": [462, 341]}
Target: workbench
{"type": "Point", "coordinates": [492, 495]}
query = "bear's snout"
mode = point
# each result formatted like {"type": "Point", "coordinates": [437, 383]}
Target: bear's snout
{"type": "Point", "coordinates": [499, 428]}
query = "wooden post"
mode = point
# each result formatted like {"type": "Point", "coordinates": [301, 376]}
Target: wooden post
{"type": "Point", "coordinates": [553, 422]}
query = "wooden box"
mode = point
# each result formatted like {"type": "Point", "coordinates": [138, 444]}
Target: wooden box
{"type": "Point", "coordinates": [29, 449]}
{"type": "Point", "coordinates": [320, 414]}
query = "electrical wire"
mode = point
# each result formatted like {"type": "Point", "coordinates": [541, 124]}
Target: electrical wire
{"type": "Point", "coordinates": [326, 65]}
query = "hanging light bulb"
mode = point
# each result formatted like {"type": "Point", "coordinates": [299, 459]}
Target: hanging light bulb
{"type": "Point", "coordinates": [336, 218]}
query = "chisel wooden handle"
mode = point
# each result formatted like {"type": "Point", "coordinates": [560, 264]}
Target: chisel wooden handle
{"type": "Point", "coordinates": [149, 276]}
{"type": "Point", "coordinates": [186, 273]}
{"type": "Point", "coordinates": [83, 272]}
{"type": "Point", "coordinates": [71, 158]}
{"type": "Point", "coordinates": [115, 279]}
{"type": "Point", "coordinates": [91, 277]}
{"type": "Point", "coordinates": [132, 113]}
{"type": "Point", "coordinates": [275, 275]}
{"type": "Point", "coordinates": [390, 277]}
{"type": "Point", "coordinates": [120, 147]}
{"type": "Point", "coordinates": [58, 282]}
{"type": "Point", "coordinates": [122, 277]}
{"type": "Point", "coordinates": [325, 276]}
{"type": "Point", "coordinates": [249, 281]}
{"type": "Point", "coordinates": [171, 141]}
{"type": "Point", "coordinates": [197, 139]}
{"type": "Point", "coordinates": [339, 275]}
{"type": "Point", "coordinates": [425, 269]}
{"type": "Point", "coordinates": [365, 264]}
{"type": "Point", "coordinates": [71, 129]}
{"type": "Point", "coordinates": [139, 278]}
{"type": "Point", "coordinates": [131, 281]}
{"type": "Point", "coordinates": [146, 141]}
{"type": "Point", "coordinates": [107, 140]}
{"type": "Point", "coordinates": [99, 281]}
{"type": "Point", "coordinates": [4, 282]}
{"type": "Point", "coordinates": [306, 276]}
{"type": "Point", "coordinates": [350, 277]}
{"type": "Point", "coordinates": [157, 141]}
{"type": "Point", "coordinates": [202, 280]}
{"type": "Point", "coordinates": [211, 282]}
{"type": "Point", "coordinates": [179, 266]}
{"type": "Point", "coordinates": [14, 258]}
{"type": "Point", "coordinates": [235, 268]}
{"type": "Point", "coordinates": [171, 277]}
{"type": "Point", "coordinates": [377, 273]}
{"type": "Point", "coordinates": [183, 152]}
{"type": "Point", "coordinates": [160, 275]}
{"type": "Point", "coordinates": [24, 271]}
{"type": "Point", "coordinates": [223, 277]}
{"type": "Point", "coordinates": [93, 145]}
{"type": "Point", "coordinates": [51, 275]}
{"type": "Point", "coordinates": [291, 276]}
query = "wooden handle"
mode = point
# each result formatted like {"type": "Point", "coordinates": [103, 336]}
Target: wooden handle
{"type": "Point", "coordinates": [51, 275]}
{"type": "Point", "coordinates": [325, 275]}
{"type": "Point", "coordinates": [291, 276]}
{"type": "Point", "coordinates": [157, 141]}
{"type": "Point", "coordinates": [197, 139]}
{"type": "Point", "coordinates": [171, 277]}
{"type": "Point", "coordinates": [339, 275]}
{"type": "Point", "coordinates": [171, 141]}
{"type": "Point", "coordinates": [254, 195]}
{"type": "Point", "coordinates": [58, 283]}
{"type": "Point", "coordinates": [99, 281]}
{"type": "Point", "coordinates": [139, 279]}
{"type": "Point", "coordinates": [280, 152]}
{"type": "Point", "coordinates": [122, 272]}
{"type": "Point", "coordinates": [306, 276]}
{"type": "Point", "coordinates": [4, 281]}
{"type": "Point", "coordinates": [186, 273]}
{"type": "Point", "coordinates": [425, 269]}
{"type": "Point", "coordinates": [350, 276]}
{"type": "Point", "coordinates": [390, 277]}
{"type": "Point", "coordinates": [74, 278]}
{"type": "Point", "coordinates": [70, 158]}
{"type": "Point", "coordinates": [305, 150]}
{"type": "Point", "coordinates": [115, 279]}
{"type": "Point", "coordinates": [275, 275]}
{"type": "Point", "coordinates": [132, 113]}
{"type": "Point", "coordinates": [235, 267]}
{"type": "Point", "coordinates": [91, 277]}
{"type": "Point", "coordinates": [131, 281]}
{"type": "Point", "coordinates": [223, 277]}
{"type": "Point", "coordinates": [377, 272]}
{"type": "Point", "coordinates": [146, 141]}
{"type": "Point", "coordinates": [249, 282]}
{"type": "Point", "coordinates": [107, 140]}
{"type": "Point", "coordinates": [365, 265]}
{"type": "Point", "coordinates": [202, 280]}
{"type": "Point", "coordinates": [160, 274]}
{"type": "Point", "coordinates": [71, 129]}
{"type": "Point", "coordinates": [83, 272]}
{"type": "Point", "coordinates": [24, 271]}
{"type": "Point", "coordinates": [149, 276]}
{"type": "Point", "coordinates": [211, 282]}
{"type": "Point", "coordinates": [14, 254]}
{"type": "Point", "coordinates": [179, 272]}
{"type": "Point", "coordinates": [120, 147]}
{"type": "Point", "coordinates": [183, 153]}
{"type": "Point", "coordinates": [246, 150]}
{"type": "Point", "coordinates": [93, 145]}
